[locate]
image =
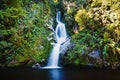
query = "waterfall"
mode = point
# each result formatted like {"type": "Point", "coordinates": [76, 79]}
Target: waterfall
{"type": "Point", "coordinates": [61, 35]}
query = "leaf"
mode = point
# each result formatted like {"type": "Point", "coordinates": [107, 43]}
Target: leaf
{"type": "Point", "coordinates": [105, 50]}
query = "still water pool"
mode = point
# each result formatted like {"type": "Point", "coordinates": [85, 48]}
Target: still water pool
{"type": "Point", "coordinates": [58, 74]}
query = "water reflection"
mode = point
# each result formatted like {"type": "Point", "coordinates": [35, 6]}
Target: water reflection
{"type": "Point", "coordinates": [56, 74]}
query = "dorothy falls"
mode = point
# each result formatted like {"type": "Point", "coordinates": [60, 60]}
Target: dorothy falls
{"type": "Point", "coordinates": [61, 37]}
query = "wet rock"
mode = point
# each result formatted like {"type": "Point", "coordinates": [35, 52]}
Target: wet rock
{"type": "Point", "coordinates": [37, 65]}
{"type": "Point", "coordinates": [42, 60]}
{"type": "Point", "coordinates": [51, 36]}
{"type": "Point", "coordinates": [40, 47]}
{"type": "Point", "coordinates": [95, 58]}
{"type": "Point", "coordinates": [52, 43]}
{"type": "Point", "coordinates": [95, 54]}
{"type": "Point", "coordinates": [65, 46]}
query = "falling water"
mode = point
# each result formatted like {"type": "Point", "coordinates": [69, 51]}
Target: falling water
{"type": "Point", "coordinates": [61, 36]}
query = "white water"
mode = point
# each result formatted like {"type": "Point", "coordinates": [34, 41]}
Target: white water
{"type": "Point", "coordinates": [61, 36]}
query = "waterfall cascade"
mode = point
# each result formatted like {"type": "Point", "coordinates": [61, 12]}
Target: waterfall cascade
{"type": "Point", "coordinates": [61, 35]}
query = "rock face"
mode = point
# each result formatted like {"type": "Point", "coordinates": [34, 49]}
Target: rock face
{"type": "Point", "coordinates": [95, 54]}
{"type": "Point", "coordinates": [65, 46]}
{"type": "Point", "coordinates": [95, 57]}
{"type": "Point", "coordinates": [37, 65]}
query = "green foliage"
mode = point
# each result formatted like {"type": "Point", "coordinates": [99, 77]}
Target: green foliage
{"type": "Point", "coordinates": [23, 29]}
{"type": "Point", "coordinates": [23, 32]}
{"type": "Point", "coordinates": [85, 42]}
{"type": "Point", "coordinates": [71, 7]}
{"type": "Point", "coordinates": [96, 3]}
{"type": "Point", "coordinates": [82, 18]}
{"type": "Point", "coordinates": [99, 29]}
{"type": "Point", "coordinates": [10, 16]}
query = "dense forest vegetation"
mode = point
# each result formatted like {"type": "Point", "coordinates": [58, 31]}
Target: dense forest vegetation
{"type": "Point", "coordinates": [94, 26]}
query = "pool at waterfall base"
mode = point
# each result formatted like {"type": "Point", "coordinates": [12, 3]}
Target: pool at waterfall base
{"type": "Point", "coordinates": [26, 73]}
